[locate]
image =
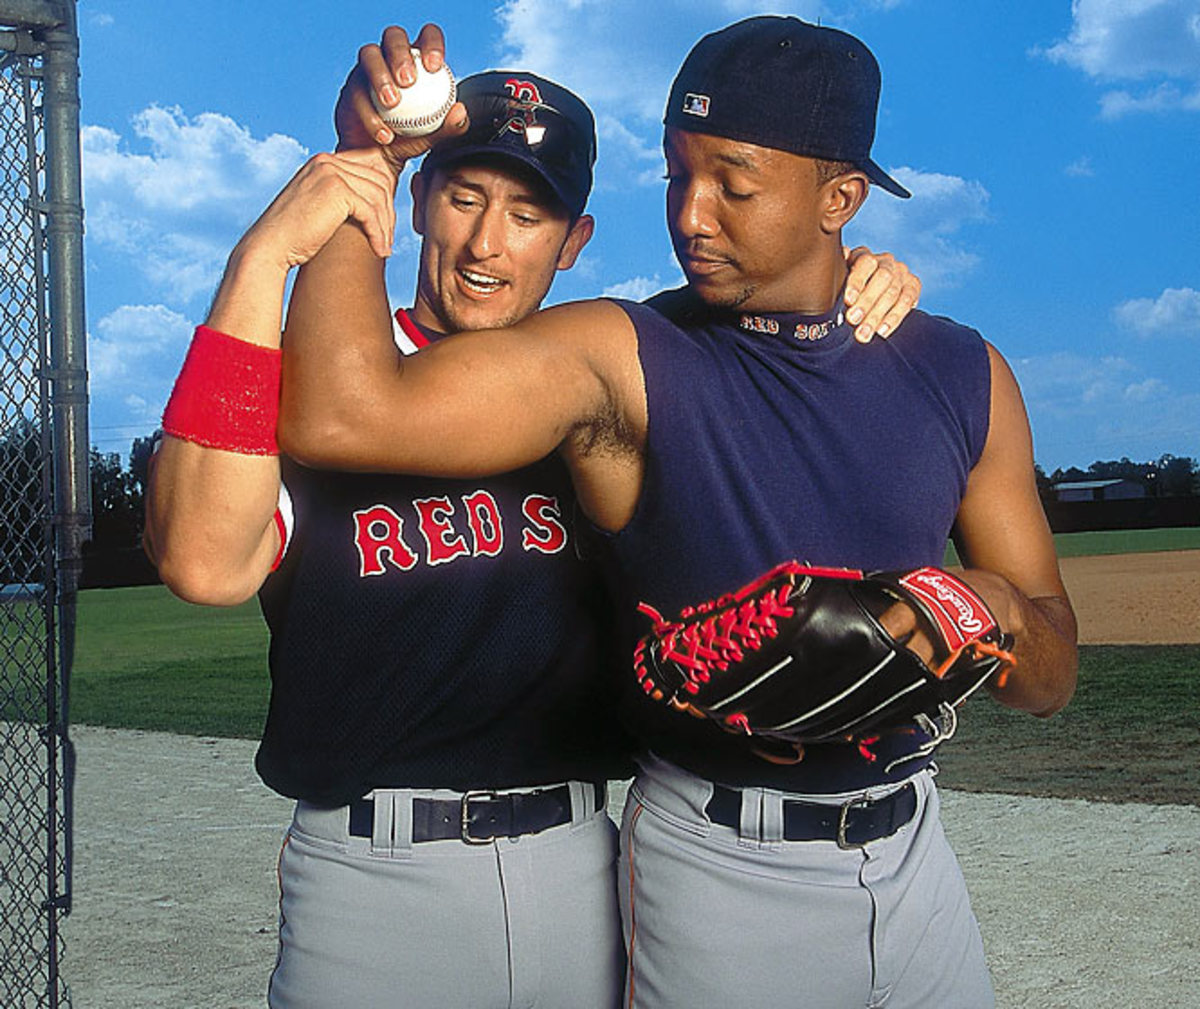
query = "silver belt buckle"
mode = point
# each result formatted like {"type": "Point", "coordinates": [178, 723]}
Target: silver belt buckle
{"type": "Point", "coordinates": [843, 815]}
{"type": "Point", "coordinates": [465, 817]}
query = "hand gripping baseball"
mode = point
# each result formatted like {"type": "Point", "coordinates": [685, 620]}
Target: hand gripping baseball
{"type": "Point", "coordinates": [401, 96]}
{"type": "Point", "coordinates": [800, 655]}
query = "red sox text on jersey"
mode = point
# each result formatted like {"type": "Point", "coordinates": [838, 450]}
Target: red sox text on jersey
{"type": "Point", "coordinates": [474, 527]}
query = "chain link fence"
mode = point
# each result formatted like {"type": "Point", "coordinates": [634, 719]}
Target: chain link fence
{"type": "Point", "coordinates": [43, 509]}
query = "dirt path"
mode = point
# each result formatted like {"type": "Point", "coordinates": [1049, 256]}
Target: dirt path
{"type": "Point", "coordinates": [1081, 904]}
{"type": "Point", "coordinates": [1136, 599]}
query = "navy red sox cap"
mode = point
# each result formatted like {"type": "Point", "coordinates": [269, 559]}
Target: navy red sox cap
{"type": "Point", "coordinates": [783, 83]}
{"type": "Point", "coordinates": [541, 124]}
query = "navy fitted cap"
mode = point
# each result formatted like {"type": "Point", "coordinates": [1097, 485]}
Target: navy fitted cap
{"type": "Point", "coordinates": [783, 83]}
{"type": "Point", "coordinates": [531, 120]}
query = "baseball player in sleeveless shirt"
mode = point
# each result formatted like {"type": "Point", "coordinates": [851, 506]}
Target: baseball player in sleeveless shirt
{"type": "Point", "coordinates": [440, 707]}
{"type": "Point", "coordinates": [711, 435]}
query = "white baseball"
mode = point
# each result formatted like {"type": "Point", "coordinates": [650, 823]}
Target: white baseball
{"type": "Point", "coordinates": [423, 105]}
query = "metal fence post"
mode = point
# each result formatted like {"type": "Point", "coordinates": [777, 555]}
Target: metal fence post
{"type": "Point", "coordinates": [44, 484]}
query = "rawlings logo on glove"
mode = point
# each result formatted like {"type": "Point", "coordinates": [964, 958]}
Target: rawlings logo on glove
{"type": "Point", "coordinates": [800, 655]}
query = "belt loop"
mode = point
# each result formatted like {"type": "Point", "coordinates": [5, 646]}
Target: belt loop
{"type": "Point", "coordinates": [381, 826]}
{"type": "Point", "coordinates": [772, 819]}
{"type": "Point", "coordinates": [402, 823]}
{"type": "Point", "coordinates": [750, 821]}
{"type": "Point", "coordinates": [761, 824]}
{"type": "Point", "coordinates": [583, 801]}
{"type": "Point", "coordinates": [391, 831]}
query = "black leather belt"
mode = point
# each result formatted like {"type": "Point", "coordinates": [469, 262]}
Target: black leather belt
{"type": "Point", "coordinates": [851, 824]}
{"type": "Point", "coordinates": [480, 817]}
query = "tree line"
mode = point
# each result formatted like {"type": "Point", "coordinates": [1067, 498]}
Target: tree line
{"type": "Point", "coordinates": [1166, 476]}
{"type": "Point", "coordinates": [26, 504]}
{"type": "Point", "coordinates": [119, 492]}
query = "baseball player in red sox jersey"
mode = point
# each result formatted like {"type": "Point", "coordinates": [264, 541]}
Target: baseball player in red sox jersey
{"type": "Point", "coordinates": [439, 704]}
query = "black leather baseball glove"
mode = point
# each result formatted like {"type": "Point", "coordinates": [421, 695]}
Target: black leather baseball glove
{"type": "Point", "coordinates": [800, 655]}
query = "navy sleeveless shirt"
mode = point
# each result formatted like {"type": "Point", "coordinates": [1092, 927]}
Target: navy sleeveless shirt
{"type": "Point", "coordinates": [779, 436]}
{"type": "Point", "coordinates": [436, 633]}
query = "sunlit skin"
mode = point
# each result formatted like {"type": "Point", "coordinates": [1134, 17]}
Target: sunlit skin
{"type": "Point", "coordinates": [751, 225]}
{"type": "Point", "coordinates": [492, 240]}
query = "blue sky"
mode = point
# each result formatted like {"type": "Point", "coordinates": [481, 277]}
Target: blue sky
{"type": "Point", "coordinates": [1050, 146]}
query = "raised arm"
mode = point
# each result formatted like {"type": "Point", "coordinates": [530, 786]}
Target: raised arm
{"type": "Point", "coordinates": [214, 483]}
{"type": "Point", "coordinates": [473, 404]}
{"type": "Point", "coordinates": [1004, 540]}
{"type": "Point", "coordinates": [476, 403]}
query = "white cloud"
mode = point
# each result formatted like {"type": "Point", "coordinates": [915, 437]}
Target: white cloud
{"type": "Point", "coordinates": [1087, 408]}
{"type": "Point", "coordinates": [1164, 98]}
{"type": "Point", "coordinates": [925, 228]}
{"type": "Point", "coordinates": [1080, 168]}
{"type": "Point", "coordinates": [1146, 391]}
{"type": "Point", "coordinates": [175, 205]}
{"type": "Point", "coordinates": [634, 289]}
{"type": "Point", "coordinates": [134, 354]}
{"type": "Point", "coordinates": [1155, 41]}
{"type": "Point", "coordinates": [626, 71]}
{"type": "Point", "coordinates": [1175, 312]}
{"type": "Point", "coordinates": [96, 18]}
{"type": "Point", "coordinates": [621, 148]}
{"type": "Point", "coordinates": [135, 342]}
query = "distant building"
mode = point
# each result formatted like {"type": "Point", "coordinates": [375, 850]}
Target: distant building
{"type": "Point", "coordinates": [1098, 490]}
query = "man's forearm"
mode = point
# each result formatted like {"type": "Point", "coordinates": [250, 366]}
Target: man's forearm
{"type": "Point", "coordinates": [1047, 657]}
{"type": "Point", "coordinates": [337, 343]}
{"type": "Point", "coordinates": [209, 513]}
{"type": "Point", "coordinates": [216, 483]}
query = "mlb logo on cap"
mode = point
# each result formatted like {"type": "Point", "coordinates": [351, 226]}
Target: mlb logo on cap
{"type": "Point", "coordinates": [695, 105]}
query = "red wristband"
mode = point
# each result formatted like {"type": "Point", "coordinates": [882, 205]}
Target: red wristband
{"type": "Point", "coordinates": [226, 395]}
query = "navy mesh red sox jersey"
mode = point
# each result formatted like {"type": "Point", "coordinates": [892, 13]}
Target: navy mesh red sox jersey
{"type": "Point", "coordinates": [778, 436]}
{"type": "Point", "coordinates": [435, 633]}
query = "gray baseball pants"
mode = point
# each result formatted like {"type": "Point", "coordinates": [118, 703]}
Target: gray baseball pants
{"type": "Point", "coordinates": [385, 923]}
{"type": "Point", "coordinates": [720, 916]}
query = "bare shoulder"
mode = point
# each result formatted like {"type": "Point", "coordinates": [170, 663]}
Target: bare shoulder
{"type": "Point", "coordinates": [596, 327]}
{"type": "Point", "coordinates": [1001, 525]}
{"type": "Point", "coordinates": [1009, 420]}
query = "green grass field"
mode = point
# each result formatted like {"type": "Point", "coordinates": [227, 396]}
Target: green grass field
{"type": "Point", "coordinates": [146, 660]}
{"type": "Point", "coordinates": [1116, 541]}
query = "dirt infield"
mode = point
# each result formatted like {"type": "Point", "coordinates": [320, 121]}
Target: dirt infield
{"type": "Point", "coordinates": [1080, 903]}
{"type": "Point", "coordinates": [1136, 599]}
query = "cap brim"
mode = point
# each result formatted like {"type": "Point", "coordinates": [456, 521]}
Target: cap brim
{"type": "Point", "coordinates": [453, 155]}
{"type": "Point", "coordinates": [884, 181]}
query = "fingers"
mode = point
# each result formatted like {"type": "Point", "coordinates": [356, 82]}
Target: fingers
{"type": "Point", "coordinates": [862, 264]}
{"type": "Point", "coordinates": [880, 292]}
{"type": "Point", "coordinates": [356, 119]}
{"type": "Point", "coordinates": [432, 44]}
{"type": "Point", "coordinates": [327, 191]}
{"type": "Point", "coordinates": [879, 296]}
{"type": "Point", "coordinates": [396, 50]}
{"type": "Point", "coordinates": [910, 293]}
{"type": "Point", "coordinates": [369, 198]}
{"type": "Point", "coordinates": [901, 623]}
{"type": "Point", "coordinates": [385, 70]}
{"type": "Point", "coordinates": [347, 186]}
{"type": "Point", "coordinates": [392, 63]}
